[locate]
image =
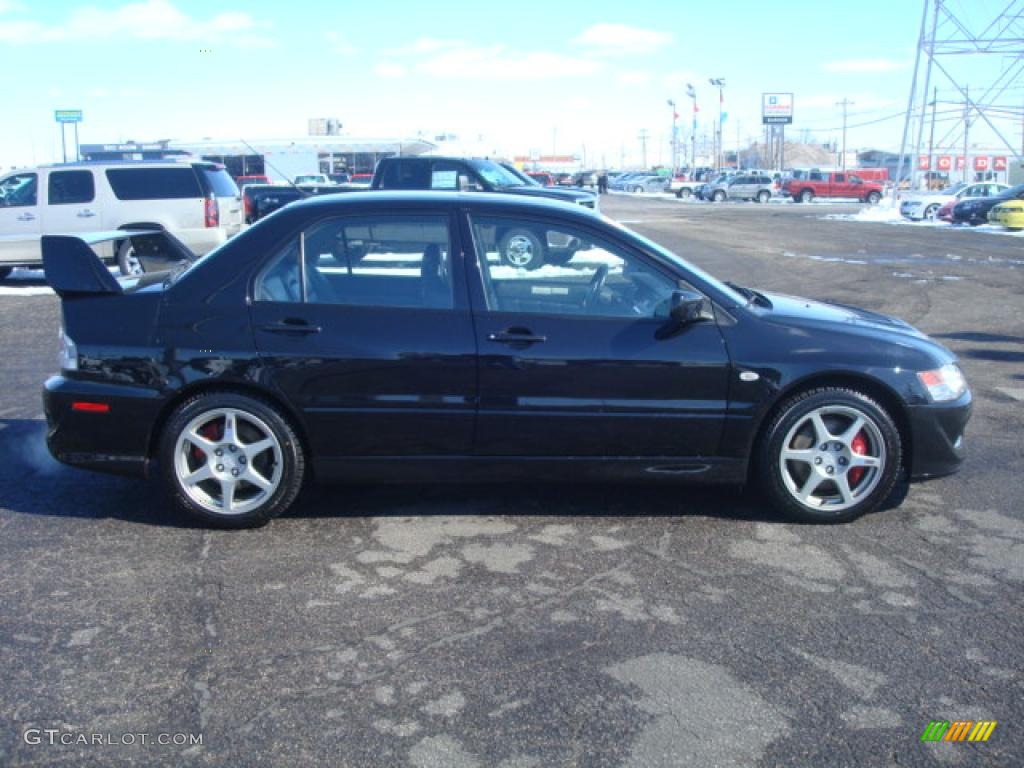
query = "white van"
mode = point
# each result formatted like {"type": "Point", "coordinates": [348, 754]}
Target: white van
{"type": "Point", "coordinates": [197, 202]}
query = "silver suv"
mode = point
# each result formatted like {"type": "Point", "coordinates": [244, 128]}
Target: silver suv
{"type": "Point", "coordinates": [745, 186]}
{"type": "Point", "coordinates": [196, 201]}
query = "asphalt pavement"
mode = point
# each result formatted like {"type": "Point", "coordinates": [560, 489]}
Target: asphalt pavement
{"type": "Point", "coordinates": [528, 626]}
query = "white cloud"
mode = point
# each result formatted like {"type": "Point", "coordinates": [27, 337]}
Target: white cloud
{"type": "Point", "coordinates": [10, 6]}
{"type": "Point", "coordinates": [865, 65]}
{"type": "Point", "coordinates": [456, 59]}
{"type": "Point", "coordinates": [340, 44]}
{"type": "Point", "coordinates": [148, 20]}
{"type": "Point", "coordinates": [390, 69]}
{"type": "Point", "coordinates": [425, 45]}
{"type": "Point", "coordinates": [633, 77]}
{"type": "Point", "coordinates": [614, 39]}
{"type": "Point", "coordinates": [501, 62]}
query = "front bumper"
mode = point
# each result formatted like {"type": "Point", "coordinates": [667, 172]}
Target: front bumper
{"type": "Point", "coordinates": [937, 435]}
{"type": "Point", "coordinates": [114, 441]}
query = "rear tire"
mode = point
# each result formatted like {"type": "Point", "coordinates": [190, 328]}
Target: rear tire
{"type": "Point", "coordinates": [814, 470]}
{"type": "Point", "coordinates": [718, 196]}
{"type": "Point", "coordinates": [240, 477]}
{"type": "Point", "coordinates": [683, 192]}
{"type": "Point", "coordinates": [763, 196]}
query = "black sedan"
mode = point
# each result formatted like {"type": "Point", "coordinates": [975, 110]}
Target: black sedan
{"type": "Point", "coordinates": [975, 210]}
{"type": "Point", "coordinates": [377, 336]}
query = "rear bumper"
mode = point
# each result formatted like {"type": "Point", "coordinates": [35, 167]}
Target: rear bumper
{"type": "Point", "coordinates": [937, 432]}
{"type": "Point", "coordinates": [115, 441]}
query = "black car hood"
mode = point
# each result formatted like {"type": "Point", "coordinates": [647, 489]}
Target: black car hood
{"type": "Point", "coordinates": [568, 195]}
{"type": "Point", "coordinates": [798, 311]}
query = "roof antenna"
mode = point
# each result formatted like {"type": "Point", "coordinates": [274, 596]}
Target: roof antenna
{"type": "Point", "coordinates": [298, 189]}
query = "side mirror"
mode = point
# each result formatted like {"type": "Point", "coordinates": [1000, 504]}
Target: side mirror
{"type": "Point", "coordinates": [687, 307]}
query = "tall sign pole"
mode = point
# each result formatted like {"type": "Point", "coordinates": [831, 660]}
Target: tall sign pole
{"type": "Point", "coordinates": [692, 93]}
{"type": "Point", "coordinates": [777, 110]}
{"type": "Point", "coordinates": [63, 117]}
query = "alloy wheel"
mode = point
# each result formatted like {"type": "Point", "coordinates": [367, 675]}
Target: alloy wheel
{"type": "Point", "coordinates": [832, 458]}
{"type": "Point", "coordinates": [228, 461]}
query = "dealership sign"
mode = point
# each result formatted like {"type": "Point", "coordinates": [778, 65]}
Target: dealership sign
{"type": "Point", "coordinates": [776, 108]}
{"type": "Point", "coordinates": [67, 115]}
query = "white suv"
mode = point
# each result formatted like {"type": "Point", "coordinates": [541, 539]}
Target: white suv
{"type": "Point", "coordinates": [196, 201]}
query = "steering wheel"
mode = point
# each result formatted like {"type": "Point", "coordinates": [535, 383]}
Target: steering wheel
{"type": "Point", "coordinates": [596, 284]}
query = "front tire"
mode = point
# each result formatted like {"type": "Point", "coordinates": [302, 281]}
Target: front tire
{"type": "Point", "coordinates": [929, 212]}
{"type": "Point", "coordinates": [829, 455]}
{"type": "Point", "coordinates": [719, 196]}
{"type": "Point", "coordinates": [231, 460]}
{"type": "Point", "coordinates": [873, 198]}
{"type": "Point", "coordinates": [806, 196]}
{"type": "Point", "coordinates": [683, 192]}
{"type": "Point", "coordinates": [127, 262]}
{"type": "Point", "coordinates": [5, 272]}
{"type": "Point", "coordinates": [763, 196]}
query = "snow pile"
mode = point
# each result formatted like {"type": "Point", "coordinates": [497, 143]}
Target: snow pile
{"type": "Point", "coordinates": [881, 214]}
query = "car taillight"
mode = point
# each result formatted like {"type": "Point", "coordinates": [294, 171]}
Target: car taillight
{"type": "Point", "coordinates": [247, 202]}
{"type": "Point", "coordinates": [68, 352]}
{"type": "Point", "coordinates": [211, 211]}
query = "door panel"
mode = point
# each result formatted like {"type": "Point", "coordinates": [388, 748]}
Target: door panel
{"type": "Point", "coordinates": [20, 224]}
{"type": "Point", "coordinates": [376, 346]}
{"type": "Point", "coordinates": [71, 204]}
{"type": "Point", "coordinates": [575, 359]}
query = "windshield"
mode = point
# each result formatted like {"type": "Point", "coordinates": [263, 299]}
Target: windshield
{"type": "Point", "coordinates": [495, 175]}
{"type": "Point", "coordinates": [952, 189]}
{"type": "Point", "coordinates": [1012, 192]}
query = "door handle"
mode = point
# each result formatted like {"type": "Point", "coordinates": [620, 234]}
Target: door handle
{"type": "Point", "coordinates": [86, 214]}
{"type": "Point", "coordinates": [516, 336]}
{"type": "Point", "coordinates": [291, 326]}
{"type": "Point", "coordinates": [26, 217]}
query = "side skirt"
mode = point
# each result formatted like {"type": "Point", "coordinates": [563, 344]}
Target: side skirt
{"type": "Point", "coordinates": [428, 469]}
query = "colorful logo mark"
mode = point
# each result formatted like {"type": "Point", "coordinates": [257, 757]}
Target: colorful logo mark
{"type": "Point", "coordinates": [958, 730]}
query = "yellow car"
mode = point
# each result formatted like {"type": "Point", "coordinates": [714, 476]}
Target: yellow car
{"type": "Point", "coordinates": [1010, 214]}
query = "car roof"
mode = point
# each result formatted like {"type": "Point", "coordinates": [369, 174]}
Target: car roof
{"type": "Point", "coordinates": [160, 163]}
{"type": "Point", "coordinates": [425, 198]}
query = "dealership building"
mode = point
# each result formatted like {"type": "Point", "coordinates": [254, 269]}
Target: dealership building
{"type": "Point", "coordinates": [280, 159]}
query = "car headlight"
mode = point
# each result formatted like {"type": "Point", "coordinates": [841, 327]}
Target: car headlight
{"type": "Point", "coordinates": [943, 384]}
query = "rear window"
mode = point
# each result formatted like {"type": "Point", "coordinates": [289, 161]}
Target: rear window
{"type": "Point", "coordinates": [71, 187]}
{"type": "Point", "coordinates": [220, 181]}
{"type": "Point", "coordinates": [407, 174]}
{"type": "Point", "coordinates": [154, 183]}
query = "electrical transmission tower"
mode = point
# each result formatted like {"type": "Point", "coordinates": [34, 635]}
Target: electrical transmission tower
{"type": "Point", "coordinates": [946, 42]}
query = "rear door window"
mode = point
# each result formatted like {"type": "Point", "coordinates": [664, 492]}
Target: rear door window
{"type": "Point", "coordinates": [67, 187]}
{"type": "Point", "coordinates": [154, 183]}
{"type": "Point", "coordinates": [219, 180]}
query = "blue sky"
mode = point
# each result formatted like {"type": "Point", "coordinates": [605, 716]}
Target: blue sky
{"type": "Point", "coordinates": [518, 75]}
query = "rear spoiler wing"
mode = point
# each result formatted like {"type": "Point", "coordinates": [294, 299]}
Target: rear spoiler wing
{"type": "Point", "coordinates": [73, 267]}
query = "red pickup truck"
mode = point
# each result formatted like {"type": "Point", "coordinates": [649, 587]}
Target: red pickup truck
{"type": "Point", "coordinates": [832, 184]}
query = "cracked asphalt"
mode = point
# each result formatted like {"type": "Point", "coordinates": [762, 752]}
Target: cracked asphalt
{"type": "Point", "coordinates": [533, 625]}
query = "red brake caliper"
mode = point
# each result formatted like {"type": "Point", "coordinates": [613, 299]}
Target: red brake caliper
{"type": "Point", "coordinates": [211, 431]}
{"type": "Point", "coordinates": [858, 445]}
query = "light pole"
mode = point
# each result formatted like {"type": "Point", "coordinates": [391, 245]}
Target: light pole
{"type": "Point", "coordinates": [719, 82]}
{"type": "Point", "coordinates": [675, 116]}
{"type": "Point", "coordinates": [692, 93]}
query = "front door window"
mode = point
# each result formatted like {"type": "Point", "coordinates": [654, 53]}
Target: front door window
{"type": "Point", "coordinates": [534, 268]}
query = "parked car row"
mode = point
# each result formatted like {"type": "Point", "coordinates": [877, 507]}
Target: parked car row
{"type": "Point", "coordinates": [927, 205]}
